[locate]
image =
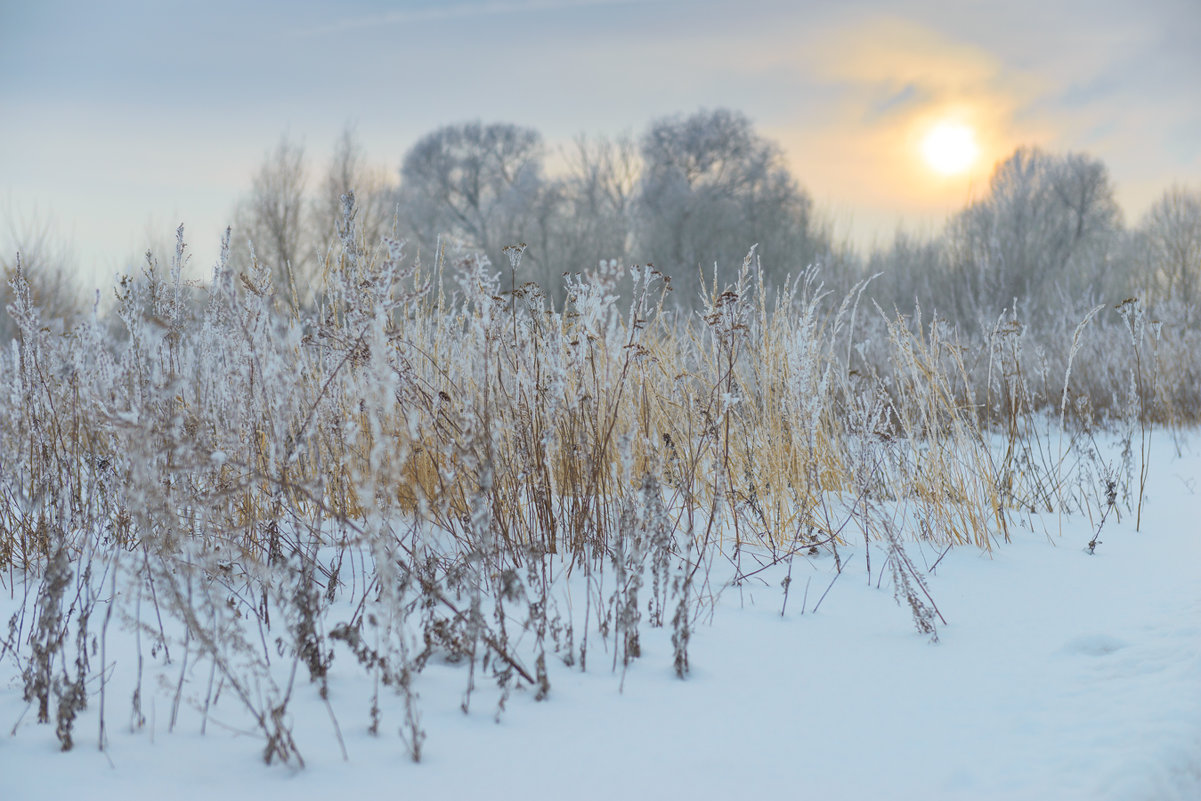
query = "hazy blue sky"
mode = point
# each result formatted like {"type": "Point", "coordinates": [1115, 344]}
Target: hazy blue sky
{"type": "Point", "coordinates": [118, 120]}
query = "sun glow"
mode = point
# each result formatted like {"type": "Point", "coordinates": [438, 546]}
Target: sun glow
{"type": "Point", "coordinates": [950, 148]}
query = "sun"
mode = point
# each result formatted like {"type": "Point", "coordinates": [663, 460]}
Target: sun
{"type": "Point", "coordinates": [950, 148]}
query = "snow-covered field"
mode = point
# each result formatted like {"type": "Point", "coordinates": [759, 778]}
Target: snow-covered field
{"type": "Point", "coordinates": [1058, 675]}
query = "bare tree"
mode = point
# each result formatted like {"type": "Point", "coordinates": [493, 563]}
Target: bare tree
{"type": "Point", "coordinates": [479, 183]}
{"type": "Point", "coordinates": [272, 217]}
{"type": "Point", "coordinates": [1168, 245]}
{"type": "Point", "coordinates": [349, 171]}
{"type": "Point", "coordinates": [912, 271]}
{"type": "Point", "coordinates": [586, 215]}
{"type": "Point", "coordinates": [602, 185]}
{"type": "Point", "coordinates": [712, 187]}
{"type": "Point", "coordinates": [47, 265]}
{"type": "Point", "coordinates": [1047, 223]}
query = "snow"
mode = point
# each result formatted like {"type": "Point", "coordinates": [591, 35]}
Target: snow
{"type": "Point", "coordinates": [1059, 675]}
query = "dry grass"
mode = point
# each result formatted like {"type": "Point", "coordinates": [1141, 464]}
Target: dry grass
{"type": "Point", "coordinates": [431, 455]}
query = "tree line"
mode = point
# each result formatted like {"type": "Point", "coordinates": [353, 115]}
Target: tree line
{"type": "Point", "coordinates": [695, 191]}
{"type": "Point", "coordinates": [691, 192]}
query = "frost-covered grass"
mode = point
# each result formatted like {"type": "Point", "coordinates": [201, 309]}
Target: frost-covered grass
{"type": "Point", "coordinates": [1059, 675]}
{"type": "Point", "coordinates": [358, 529]}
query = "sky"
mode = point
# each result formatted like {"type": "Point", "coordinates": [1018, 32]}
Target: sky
{"type": "Point", "coordinates": [120, 120]}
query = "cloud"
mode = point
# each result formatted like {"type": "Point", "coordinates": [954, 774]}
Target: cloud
{"type": "Point", "coordinates": [884, 83]}
{"type": "Point", "coordinates": [456, 11]}
{"type": "Point", "coordinates": [899, 52]}
{"type": "Point", "coordinates": [908, 97]}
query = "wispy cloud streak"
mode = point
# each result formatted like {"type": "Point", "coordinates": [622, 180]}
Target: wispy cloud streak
{"type": "Point", "coordinates": [455, 11]}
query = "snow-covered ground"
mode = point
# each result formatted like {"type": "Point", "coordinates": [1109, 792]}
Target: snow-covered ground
{"type": "Point", "coordinates": [1059, 675]}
